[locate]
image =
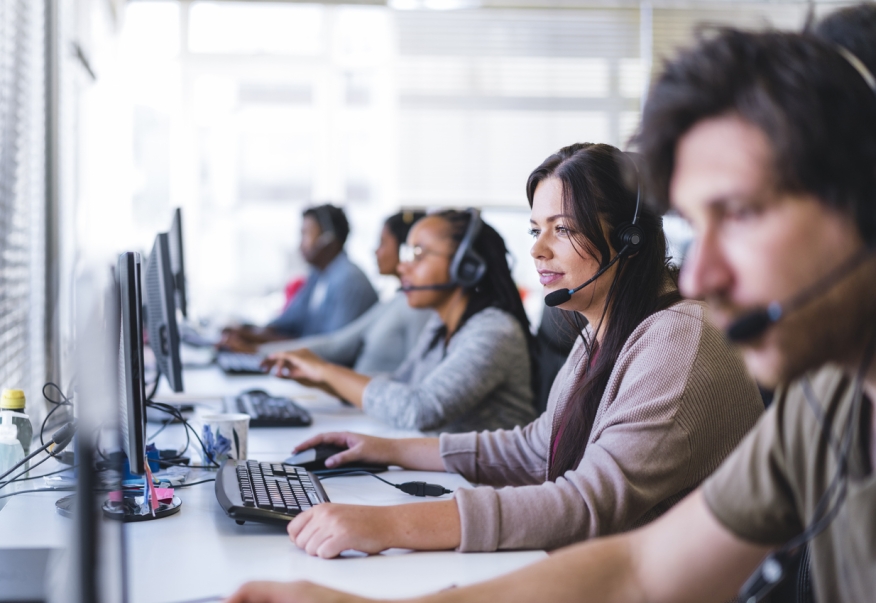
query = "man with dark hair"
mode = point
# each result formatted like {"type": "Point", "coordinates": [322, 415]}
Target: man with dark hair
{"type": "Point", "coordinates": [766, 143]}
{"type": "Point", "coordinates": [335, 293]}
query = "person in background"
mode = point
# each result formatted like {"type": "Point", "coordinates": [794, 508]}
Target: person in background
{"type": "Point", "coordinates": [335, 293]}
{"type": "Point", "coordinates": [766, 143]}
{"type": "Point", "coordinates": [379, 340]}
{"type": "Point", "coordinates": [471, 368]}
{"type": "Point", "coordinates": [649, 402]}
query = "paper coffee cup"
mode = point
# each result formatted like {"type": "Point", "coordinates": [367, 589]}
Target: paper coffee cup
{"type": "Point", "coordinates": [225, 436]}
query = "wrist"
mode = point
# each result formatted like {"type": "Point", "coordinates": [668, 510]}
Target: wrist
{"type": "Point", "coordinates": [393, 453]}
{"type": "Point", "coordinates": [426, 526]}
{"type": "Point", "coordinates": [322, 372]}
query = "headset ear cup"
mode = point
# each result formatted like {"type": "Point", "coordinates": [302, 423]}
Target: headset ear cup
{"type": "Point", "coordinates": [471, 270]}
{"type": "Point", "coordinates": [468, 267]}
{"type": "Point", "coordinates": [630, 236]}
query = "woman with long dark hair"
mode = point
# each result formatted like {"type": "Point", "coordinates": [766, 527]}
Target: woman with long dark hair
{"type": "Point", "coordinates": [649, 402]}
{"type": "Point", "coordinates": [471, 367]}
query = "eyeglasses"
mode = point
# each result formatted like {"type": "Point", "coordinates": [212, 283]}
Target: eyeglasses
{"type": "Point", "coordinates": [414, 253]}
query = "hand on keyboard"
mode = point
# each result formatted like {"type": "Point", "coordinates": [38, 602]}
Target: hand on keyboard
{"type": "Point", "coordinates": [329, 529]}
{"type": "Point", "coordinates": [297, 365]}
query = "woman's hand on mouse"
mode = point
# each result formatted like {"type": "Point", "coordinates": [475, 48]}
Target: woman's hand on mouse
{"type": "Point", "coordinates": [290, 592]}
{"type": "Point", "coordinates": [299, 365]}
{"type": "Point", "coordinates": [329, 529]}
{"type": "Point", "coordinates": [411, 453]}
{"type": "Point", "coordinates": [359, 448]}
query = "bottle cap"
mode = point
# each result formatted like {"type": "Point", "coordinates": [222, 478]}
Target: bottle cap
{"type": "Point", "coordinates": [8, 429]}
{"type": "Point", "coordinates": [13, 399]}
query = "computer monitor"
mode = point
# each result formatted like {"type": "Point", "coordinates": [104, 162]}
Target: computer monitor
{"type": "Point", "coordinates": [132, 391]}
{"type": "Point", "coordinates": [177, 263]}
{"type": "Point", "coordinates": [161, 312]}
{"type": "Point", "coordinates": [132, 388]}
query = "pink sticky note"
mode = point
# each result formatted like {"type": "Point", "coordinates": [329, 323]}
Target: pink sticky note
{"type": "Point", "coordinates": [164, 494]}
{"type": "Point", "coordinates": [152, 498]}
{"type": "Point", "coordinates": [116, 496]}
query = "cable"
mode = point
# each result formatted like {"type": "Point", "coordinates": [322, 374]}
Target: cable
{"type": "Point", "coordinates": [154, 387]}
{"type": "Point", "coordinates": [412, 488]}
{"type": "Point", "coordinates": [60, 438]}
{"type": "Point", "coordinates": [187, 485]}
{"type": "Point", "coordinates": [67, 488]}
{"type": "Point", "coordinates": [839, 485]}
{"type": "Point", "coordinates": [3, 484]}
{"type": "Point", "coordinates": [64, 401]}
{"type": "Point", "coordinates": [773, 570]}
{"type": "Point", "coordinates": [177, 414]}
{"type": "Point", "coordinates": [162, 428]}
{"type": "Point", "coordinates": [24, 479]}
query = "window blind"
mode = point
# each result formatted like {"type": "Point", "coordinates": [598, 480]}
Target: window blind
{"type": "Point", "coordinates": [22, 196]}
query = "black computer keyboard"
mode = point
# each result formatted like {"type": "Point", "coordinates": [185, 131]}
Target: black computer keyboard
{"type": "Point", "coordinates": [266, 410]}
{"type": "Point", "coordinates": [235, 363]}
{"type": "Point", "coordinates": [266, 492]}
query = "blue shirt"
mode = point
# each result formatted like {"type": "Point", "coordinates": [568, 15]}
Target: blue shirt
{"type": "Point", "coordinates": [330, 299]}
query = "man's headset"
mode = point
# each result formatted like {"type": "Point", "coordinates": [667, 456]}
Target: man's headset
{"type": "Point", "coordinates": [628, 237]}
{"type": "Point", "coordinates": [467, 268]}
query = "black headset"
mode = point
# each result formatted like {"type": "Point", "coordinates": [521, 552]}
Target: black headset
{"type": "Point", "coordinates": [629, 236]}
{"type": "Point", "coordinates": [468, 267]}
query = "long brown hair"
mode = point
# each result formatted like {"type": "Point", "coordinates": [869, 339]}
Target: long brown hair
{"type": "Point", "coordinates": [599, 191]}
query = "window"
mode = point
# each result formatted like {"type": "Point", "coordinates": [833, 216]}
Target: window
{"type": "Point", "coordinates": [270, 106]}
{"type": "Point", "coordinates": [22, 197]}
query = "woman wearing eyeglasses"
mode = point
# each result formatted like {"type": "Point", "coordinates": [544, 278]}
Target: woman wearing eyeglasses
{"type": "Point", "coordinates": [471, 368]}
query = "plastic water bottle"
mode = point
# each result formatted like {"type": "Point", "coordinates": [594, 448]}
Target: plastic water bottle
{"type": "Point", "coordinates": [13, 399]}
{"type": "Point", "coordinates": [11, 452]}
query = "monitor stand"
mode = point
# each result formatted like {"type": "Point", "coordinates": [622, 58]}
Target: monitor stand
{"type": "Point", "coordinates": [127, 511]}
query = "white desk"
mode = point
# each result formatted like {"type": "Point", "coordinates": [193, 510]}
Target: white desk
{"type": "Point", "coordinates": [201, 552]}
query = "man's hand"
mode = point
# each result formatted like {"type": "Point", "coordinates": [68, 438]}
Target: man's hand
{"type": "Point", "coordinates": [359, 448]}
{"type": "Point", "coordinates": [328, 529]}
{"type": "Point", "coordinates": [291, 592]}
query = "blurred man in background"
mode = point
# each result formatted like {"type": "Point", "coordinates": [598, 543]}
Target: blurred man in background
{"type": "Point", "coordinates": [335, 292]}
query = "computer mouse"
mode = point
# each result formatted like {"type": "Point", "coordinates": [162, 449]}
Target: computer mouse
{"type": "Point", "coordinates": [313, 460]}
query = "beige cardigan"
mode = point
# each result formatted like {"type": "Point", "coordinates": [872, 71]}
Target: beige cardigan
{"type": "Point", "coordinates": [677, 402]}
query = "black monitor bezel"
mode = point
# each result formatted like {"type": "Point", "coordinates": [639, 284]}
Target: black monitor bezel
{"type": "Point", "coordinates": [133, 390]}
{"type": "Point", "coordinates": [177, 262]}
{"type": "Point", "coordinates": [161, 312]}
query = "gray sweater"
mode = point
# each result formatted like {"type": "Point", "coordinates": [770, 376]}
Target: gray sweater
{"type": "Point", "coordinates": [376, 342]}
{"type": "Point", "coordinates": [677, 402]}
{"type": "Point", "coordinates": [480, 380]}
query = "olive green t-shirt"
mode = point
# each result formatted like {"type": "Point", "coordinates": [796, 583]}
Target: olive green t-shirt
{"type": "Point", "coordinates": [767, 491]}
